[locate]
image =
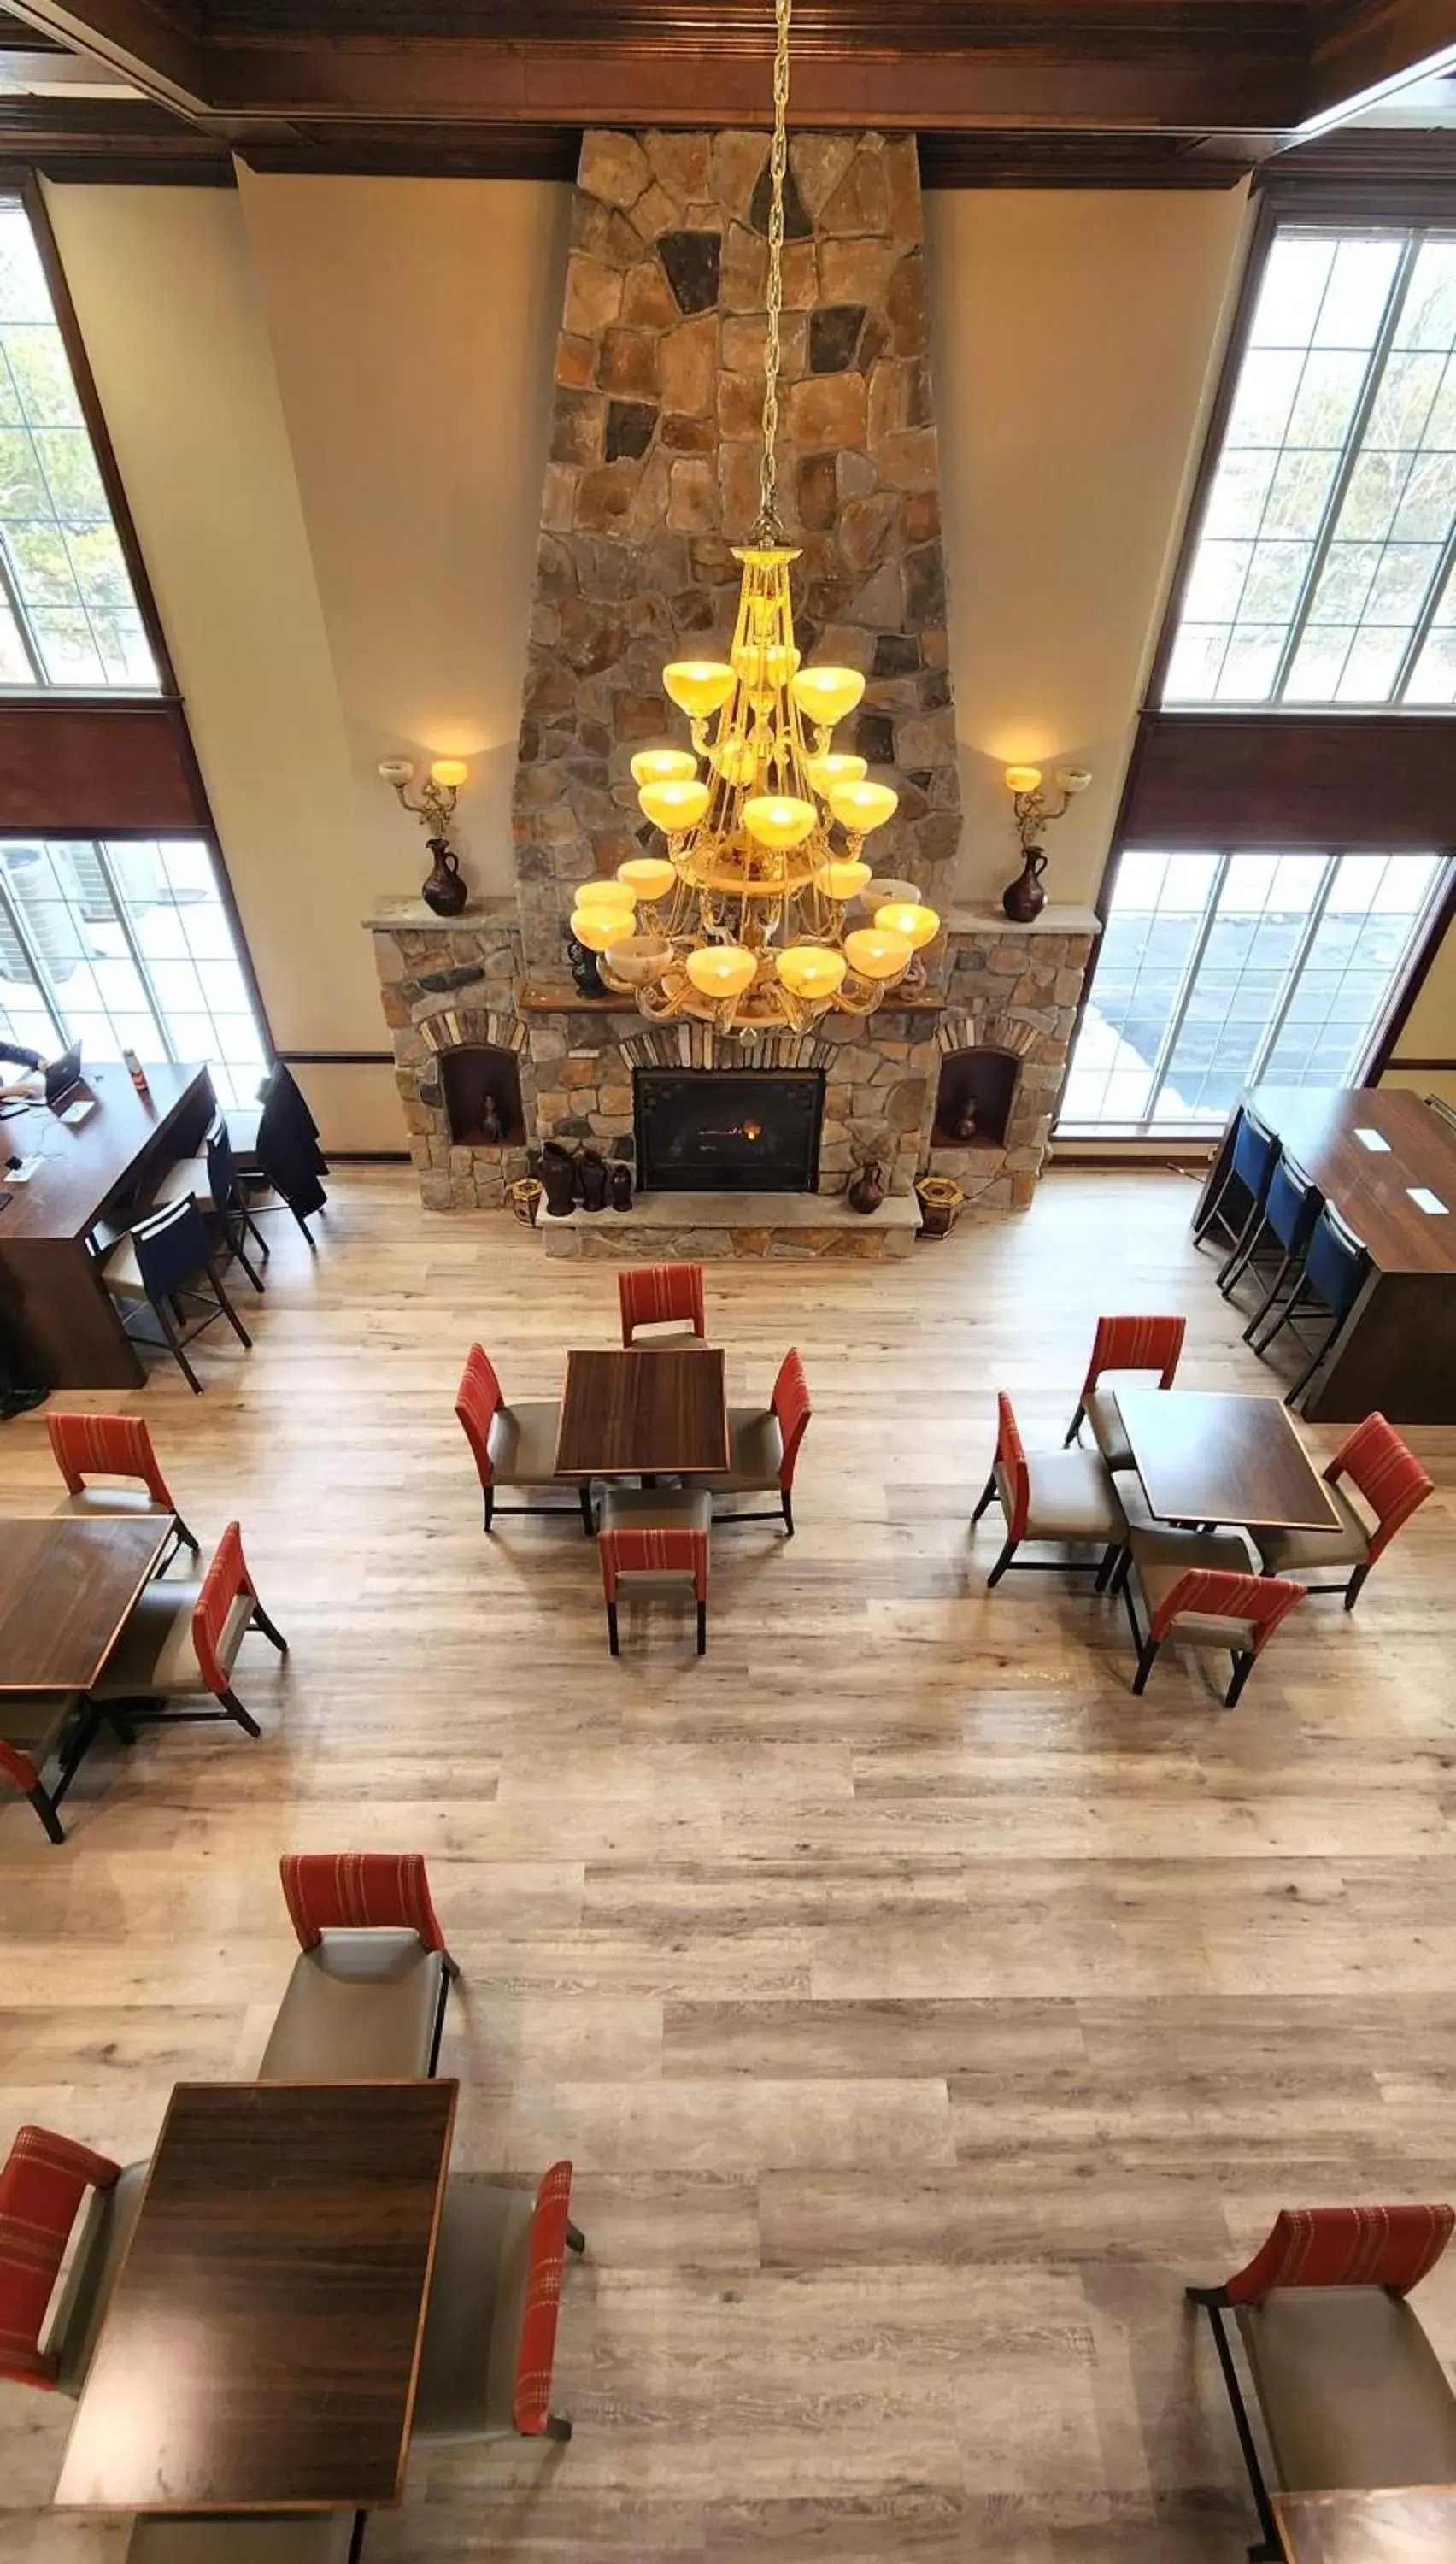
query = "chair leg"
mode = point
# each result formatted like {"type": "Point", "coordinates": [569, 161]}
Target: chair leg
{"type": "Point", "coordinates": [1212, 1211]}
{"type": "Point", "coordinates": [175, 1342]}
{"type": "Point", "coordinates": [269, 1627]}
{"type": "Point", "coordinates": [44, 1808]}
{"type": "Point", "coordinates": [702, 1628]}
{"type": "Point", "coordinates": [986, 1494]}
{"type": "Point", "coordinates": [235, 1709]}
{"type": "Point", "coordinates": [1244, 1246]}
{"type": "Point", "coordinates": [1111, 1558]}
{"type": "Point", "coordinates": [119, 1723]}
{"type": "Point", "coordinates": [1351, 1591]}
{"type": "Point", "coordinates": [1270, 1296]}
{"type": "Point", "coordinates": [613, 1645]}
{"type": "Point", "coordinates": [787, 1502]}
{"type": "Point", "coordinates": [575, 2239]}
{"type": "Point", "coordinates": [1148, 1658]}
{"type": "Point", "coordinates": [1312, 1366]}
{"type": "Point", "coordinates": [1075, 1427]}
{"type": "Point", "coordinates": [188, 1537]}
{"type": "Point", "coordinates": [229, 1312]}
{"type": "Point", "coordinates": [303, 1225]}
{"type": "Point", "coordinates": [588, 1523]}
{"type": "Point", "coordinates": [490, 1505]}
{"type": "Point", "coordinates": [1242, 1667]}
{"type": "Point", "coordinates": [1002, 1563]}
{"type": "Point", "coordinates": [254, 1232]}
{"type": "Point", "coordinates": [255, 1278]}
{"type": "Point", "coordinates": [1283, 1318]}
{"type": "Point", "coordinates": [557, 2427]}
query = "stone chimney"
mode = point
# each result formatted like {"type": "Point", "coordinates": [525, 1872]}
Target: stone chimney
{"type": "Point", "coordinates": [654, 477]}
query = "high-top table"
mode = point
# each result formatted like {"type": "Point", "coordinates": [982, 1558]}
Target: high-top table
{"type": "Point", "coordinates": [52, 1297]}
{"type": "Point", "coordinates": [1387, 1163]}
{"type": "Point", "coordinates": [261, 2346]}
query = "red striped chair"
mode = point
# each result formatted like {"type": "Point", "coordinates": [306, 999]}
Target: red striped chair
{"type": "Point", "coordinates": [1067, 1497]}
{"type": "Point", "coordinates": [664, 1303]}
{"type": "Point", "coordinates": [1196, 1589]}
{"type": "Point", "coordinates": [658, 1541]}
{"type": "Point", "coordinates": [1392, 1483]}
{"type": "Point", "coordinates": [367, 1998]}
{"type": "Point", "coordinates": [513, 1446]}
{"type": "Point", "coordinates": [33, 1727]}
{"type": "Point", "coordinates": [111, 1446]}
{"type": "Point", "coordinates": [1128, 1347]}
{"type": "Point", "coordinates": [182, 1641]}
{"type": "Point", "coordinates": [43, 2185]}
{"type": "Point", "coordinates": [1351, 2392]}
{"type": "Point", "coordinates": [764, 1444]}
{"type": "Point", "coordinates": [491, 2331]}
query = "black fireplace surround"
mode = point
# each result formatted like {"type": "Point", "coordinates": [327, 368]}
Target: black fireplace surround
{"type": "Point", "coordinates": [728, 1131]}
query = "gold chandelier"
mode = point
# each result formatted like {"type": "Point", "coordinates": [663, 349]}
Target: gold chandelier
{"type": "Point", "coordinates": [744, 921]}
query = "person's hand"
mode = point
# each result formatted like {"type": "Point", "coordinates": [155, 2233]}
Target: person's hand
{"type": "Point", "coordinates": [24, 1089]}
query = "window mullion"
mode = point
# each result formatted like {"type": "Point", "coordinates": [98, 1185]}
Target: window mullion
{"type": "Point", "coordinates": [1184, 997]}
{"type": "Point", "coordinates": [21, 615]}
{"type": "Point", "coordinates": [1296, 970]}
{"type": "Point", "coordinates": [1345, 474]}
{"type": "Point", "coordinates": [34, 959]}
{"type": "Point", "coordinates": [118, 898]}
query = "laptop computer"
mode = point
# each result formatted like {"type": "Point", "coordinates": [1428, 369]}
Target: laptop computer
{"type": "Point", "coordinates": [62, 1076]}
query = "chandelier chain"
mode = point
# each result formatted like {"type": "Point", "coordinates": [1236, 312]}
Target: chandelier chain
{"type": "Point", "coordinates": [768, 527]}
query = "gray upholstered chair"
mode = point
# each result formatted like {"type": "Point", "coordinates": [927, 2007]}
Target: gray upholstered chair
{"type": "Point", "coordinates": [1351, 2394]}
{"type": "Point", "coordinates": [765, 1445]}
{"type": "Point", "coordinates": [43, 2184]}
{"type": "Point", "coordinates": [181, 1641]}
{"type": "Point", "coordinates": [108, 1447]}
{"type": "Point", "coordinates": [515, 1445]}
{"type": "Point", "coordinates": [1067, 1497]}
{"type": "Point", "coordinates": [653, 1540]}
{"type": "Point", "coordinates": [366, 1998]}
{"type": "Point", "coordinates": [300, 2537]}
{"type": "Point", "coordinates": [1198, 1589]}
{"type": "Point", "coordinates": [491, 2328]}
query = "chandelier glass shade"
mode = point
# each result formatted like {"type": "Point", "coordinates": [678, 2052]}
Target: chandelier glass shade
{"type": "Point", "coordinates": [762, 912]}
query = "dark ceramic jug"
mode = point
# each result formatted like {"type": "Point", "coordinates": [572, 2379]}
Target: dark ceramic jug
{"type": "Point", "coordinates": [444, 891]}
{"type": "Point", "coordinates": [558, 1175]}
{"type": "Point", "coordinates": [1025, 898]}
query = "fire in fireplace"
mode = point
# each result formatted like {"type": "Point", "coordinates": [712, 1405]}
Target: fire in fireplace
{"type": "Point", "coordinates": [749, 1129]}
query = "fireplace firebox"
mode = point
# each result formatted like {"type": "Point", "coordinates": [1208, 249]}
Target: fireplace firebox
{"type": "Point", "coordinates": [732, 1131]}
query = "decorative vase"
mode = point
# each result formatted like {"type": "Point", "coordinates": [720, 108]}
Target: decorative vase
{"type": "Point", "coordinates": [442, 890]}
{"type": "Point", "coordinates": [491, 1133]}
{"type": "Point", "coordinates": [941, 1201]}
{"type": "Point", "coordinates": [558, 1175]}
{"type": "Point", "coordinates": [594, 1180]}
{"type": "Point", "coordinates": [584, 972]}
{"type": "Point", "coordinates": [1025, 898]}
{"type": "Point", "coordinates": [865, 1189]}
{"type": "Point", "coordinates": [621, 1184]}
{"type": "Point", "coordinates": [964, 1130]}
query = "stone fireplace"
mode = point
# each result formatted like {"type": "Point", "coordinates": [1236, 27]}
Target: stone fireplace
{"type": "Point", "coordinates": [652, 478]}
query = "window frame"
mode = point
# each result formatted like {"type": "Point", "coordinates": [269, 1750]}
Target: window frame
{"type": "Point", "coordinates": [26, 190]}
{"type": "Point", "coordinates": [1288, 207]}
{"type": "Point", "coordinates": [1424, 942]}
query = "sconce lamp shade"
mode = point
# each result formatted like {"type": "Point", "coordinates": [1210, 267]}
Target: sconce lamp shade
{"type": "Point", "coordinates": [811, 969]}
{"type": "Point", "coordinates": [1023, 778]}
{"type": "Point", "coordinates": [721, 970]}
{"type": "Point", "coordinates": [827, 694]}
{"type": "Point", "coordinates": [397, 769]}
{"type": "Point", "coordinates": [779, 820]}
{"type": "Point", "coordinates": [859, 808]}
{"type": "Point", "coordinates": [448, 771]}
{"type": "Point", "coordinates": [647, 876]}
{"type": "Point", "coordinates": [877, 955]}
{"type": "Point", "coordinates": [664, 765]}
{"type": "Point", "coordinates": [698, 686]}
{"type": "Point", "coordinates": [1072, 779]}
{"type": "Point", "coordinates": [919, 926]}
{"type": "Point", "coordinates": [673, 807]}
{"type": "Point", "coordinates": [844, 881]}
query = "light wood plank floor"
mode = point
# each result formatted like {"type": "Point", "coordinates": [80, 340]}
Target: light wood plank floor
{"type": "Point", "coordinates": [921, 2010]}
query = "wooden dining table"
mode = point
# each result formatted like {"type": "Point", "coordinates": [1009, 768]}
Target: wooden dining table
{"type": "Point", "coordinates": [1206, 1457]}
{"type": "Point", "coordinates": [1398, 2524]}
{"type": "Point", "coordinates": [66, 1592]}
{"type": "Point", "coordinates": [646, 1412]}
{"type": "Point", "coordinates": [261, 2346]}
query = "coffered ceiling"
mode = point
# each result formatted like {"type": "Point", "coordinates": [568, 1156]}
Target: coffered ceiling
{"type": "Point", "coordinates": [1137, 91]}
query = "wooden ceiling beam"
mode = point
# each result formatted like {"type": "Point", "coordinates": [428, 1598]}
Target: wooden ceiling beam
{"type": "Point", "coordinates": [1366, 49]}
{"type": "Point", "coordinates": [149, 45]}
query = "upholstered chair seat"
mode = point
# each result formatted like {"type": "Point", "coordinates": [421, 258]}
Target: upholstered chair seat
{"type": "Point", "coordinates": [1070, 1497]}
{"type": "Point", "coordinates": [33, 1726]}
{"type": "Point", "coordinates": [522, 1442]}
{"type": "Point", "coordinates": [104, 2234]}
{"type": "Point", "coordinates": [755, 1452]}
{"type": "Point", "coordinates": [360, 2008]}
{"type": "Point", "coordinates": [100, 1504]}
{"type": "Point", "coordinates": [1161, 1559]}
{"type": "Point", "coordinates": [1291, 1553]}
{"type": "Point", "coordinates": [494, 2301]}
{"type": "Point", "coordinates": [1105, 1418]}
{"type": "Point", "coordinates": [304, 2537]}
{"type": "Point", "coordinates": [1351, 2390]}
{"type": "Point", "coordinates": [155, 1657]}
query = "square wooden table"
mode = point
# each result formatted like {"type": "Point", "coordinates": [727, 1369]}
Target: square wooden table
{"type": "Point", "coordinates": [1403, 2524]}
{"type": "Point", "coordinates": [262, 2343]}
{"type": "Point", "coordinates": [66, 1590]}
{"type": "Point", "coordinates": [1215, 1460]}
{"type": "Point", "coordinates": [653, 1413]}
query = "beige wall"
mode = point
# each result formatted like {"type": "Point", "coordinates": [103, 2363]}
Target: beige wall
{"type": "Point", "coordinates": [1430, 1030]}
{"type": "Point", "coordinates": [1076, 337]}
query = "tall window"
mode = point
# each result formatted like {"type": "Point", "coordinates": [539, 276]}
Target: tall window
{"type": "Point", "coordinates": [69, 615]}
{"type": "Point", "coordinates": [124, 946]}
{"type": "Point", "coordinates": [1221, 971]}
{"type": "Point", "coordinates": [1324, 570]}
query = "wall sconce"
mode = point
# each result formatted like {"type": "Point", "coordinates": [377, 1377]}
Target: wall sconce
{"type": "Point", "coordinates": [1025, 898]}
{"type": "Point", "coordinates": [442, 890]}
